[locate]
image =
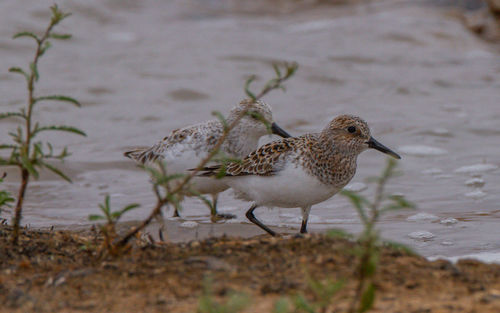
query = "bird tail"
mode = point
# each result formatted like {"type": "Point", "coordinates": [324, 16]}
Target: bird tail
{"type": "Point", "coordinates": [208, 171]}
{"type": "Point", "coordinates": [142, 155]}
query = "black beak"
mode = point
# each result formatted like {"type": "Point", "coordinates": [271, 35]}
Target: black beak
{"type": "Point", "coordinates": [372, 143]}
{"type": "Point", "coordinates": [275, 129]}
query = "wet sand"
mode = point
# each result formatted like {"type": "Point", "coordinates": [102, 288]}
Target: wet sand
{"type": "Point", "coordinates": [143, 69]}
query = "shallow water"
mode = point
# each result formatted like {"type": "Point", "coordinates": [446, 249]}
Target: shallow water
{"type": "Point", "coordinates": [428, 88]}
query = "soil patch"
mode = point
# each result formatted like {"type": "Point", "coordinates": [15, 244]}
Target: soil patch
{"type": "Point", "coordinates": [63, 271]}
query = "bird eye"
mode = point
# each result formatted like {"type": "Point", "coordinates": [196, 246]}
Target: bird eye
{"type": "Point", "coordinates": [351, 129]}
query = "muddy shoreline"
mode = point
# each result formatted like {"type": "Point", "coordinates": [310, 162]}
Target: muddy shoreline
{"type": "Point", "coordinates": [63, 271]}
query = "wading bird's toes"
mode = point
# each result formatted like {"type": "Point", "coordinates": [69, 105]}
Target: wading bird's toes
{"type": "Point", "coordinates": [222, 216]}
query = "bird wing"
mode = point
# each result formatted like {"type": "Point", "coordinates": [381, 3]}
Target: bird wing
{"type": "Point", "coordinates": [195, 135]}
{"type": "Point", "coordinates": [265, 161]}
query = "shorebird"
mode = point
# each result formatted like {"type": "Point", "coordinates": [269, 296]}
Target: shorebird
{"type": "Point", "coordinates": [300, 171]}
{"type": "Point", "coordinates": [184, 148]}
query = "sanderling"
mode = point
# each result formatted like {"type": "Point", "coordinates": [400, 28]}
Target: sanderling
{"type": "Point", "coordinates": [300, 171]}
{"type": "Point", "coordinates": [184, 148]}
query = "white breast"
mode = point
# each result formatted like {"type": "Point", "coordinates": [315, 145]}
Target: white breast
{"type": "Point", "coordinates": [289, 188]}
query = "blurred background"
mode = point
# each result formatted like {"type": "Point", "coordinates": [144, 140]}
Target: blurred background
{"type": "Point", "coordinates": [424, 74]}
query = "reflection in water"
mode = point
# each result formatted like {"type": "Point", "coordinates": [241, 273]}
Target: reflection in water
{"type": "Point", "coordinates": [430, 88]}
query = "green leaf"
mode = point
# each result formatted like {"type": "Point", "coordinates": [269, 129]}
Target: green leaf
{"type": "Point", "coordinates": [8, 147]}
{"type": "Point", "coordinates": [5, 198]}
{"type": "Point", "coordinates": [277, 70]}
{"type": "Point", "coordinates": [370, 266]}
{"type": "Point", "coordinates": [63, 128]}
{"type": "Point", "coordinates": [56, 171]}
{"type": "Point", "coordinates": [34, 71]}
{"type": "Point", "coordinates": [250, 94]}
{"type": "Point", "coordinates": [357, 200]}
{"type": "Point", "coordinates": [118, 214]}
{"type": "Point", "coordinates": [26, 34]}
{"type": "Point", "coordinates": [95, 217]}
{"type": "Point", "coordinates": [28, 165]}
{"type": "Point", "coordinates": [45, 47]}
{"type": "Point", "coordinates": [18, 137]}
{"type": "Point", "coordinates": [105, 208]}
{"type": "Point", "coordinates": [301, 303]}
{"type": "Point", "coordinates": [400, 247]}
{"type": "Point", "coordinates": [64, 153]}
{"type": "Point", "coordinates": [367, 298]}
{"type": "Point", "coordinates": [236, 303]}
{"type": "Point", "coordinates": [221, 173]}
{"type": "Point", "coordinates": [205, 200]}
{"type": "Point", "coordinates": [291, 68]}
{"type": "Point", "coordinates": [339, 233]}
{"type": "Point", "coordinates": [60, 36]}
{"type": "Point", "coordinates": [221, 157]}
{"type": "Point", "coordinates": [13, 114]}
{"type": "Point", "coordinates": [107, 203]}
{"type": "Point", "coordinates": [11, 161]}
{"type": "Point", "coordinates": [57, 15]}
{"type": "Point", "coordinates": [19, 71]}
{"type": "Point", "coordinates": [37, 151]}
{"type": "Point", "coordinates": [400, 202]}
{"type": "Point", "coordinates": [281, 306]}
{"type": "Point", "coordinates": [160, 179]}
{"type": "Point", "coordinates": [59, 98]}
{"type": "Point", "coordinates": [221, 119]}
{"type": "Point", "coordinates": [260, 118]}
{"type": "Point", "coordinates": [359, 203]}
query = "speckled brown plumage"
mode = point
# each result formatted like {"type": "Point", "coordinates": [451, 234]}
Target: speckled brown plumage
{"type": "Point", "coordinates": [300, 171]}
{"type": "Point", "coordinates": [330, 156]}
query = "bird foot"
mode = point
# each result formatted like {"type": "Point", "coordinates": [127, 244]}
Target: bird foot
{"type": "Point", "coordinates": [222, 216]}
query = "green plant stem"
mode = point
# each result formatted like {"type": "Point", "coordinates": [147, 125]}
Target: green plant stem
{"type": "Point", "coordinates": [362, 279]}
{"type": "Point", "coordinates": [369, 239]}
{"type": "Point", "coordinates": [26, 146]}
{"type": "Point", "coordinates": [19, 205]}
{"type": "Point", "coordinates": [155, 212]}
{"type": "Point", "coordinates": [277, 83]}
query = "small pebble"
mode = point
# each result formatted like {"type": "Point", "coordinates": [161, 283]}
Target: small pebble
{"type": "Point", "coordinates": [421, 235]}
{"type": "Point", "coordinates": [448, 221]}
{"type": "Point", "coordinates": [476, 194]}
{"type": "Point", "coordinates": [476, 168]}
{"type": "Point", "coordinates": [422, 217]}
{"type": "Point", "coordinates": [440, 131]}
{"type": "Point", "coordinates": [475, 182]}
{"type": "Point", "coordinates": [447, 243]}
{"type": "Point", "coordinates": [189, 224]}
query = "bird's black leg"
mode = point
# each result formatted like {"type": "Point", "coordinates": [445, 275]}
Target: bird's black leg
{"type": "Point", "coordinates": [303, 228]}
{"type": "Point", "coordinates": [252, 219]}
{"type": "Point", "coordinates": [176, 213]}
{"type": "Point", "coordinates": [305, 217]}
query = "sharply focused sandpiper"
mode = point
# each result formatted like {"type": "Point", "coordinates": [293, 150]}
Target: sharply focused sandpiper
{"type": "Point", "coordinates": [300, 171]}
{"type": "Point", "coordinates": [184, 148]}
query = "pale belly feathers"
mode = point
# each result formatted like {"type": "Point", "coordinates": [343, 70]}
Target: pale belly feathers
{"type": "Point", "coordinates": [182, 158]}
{"type": "Point", "coordinates": [290, 188]}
